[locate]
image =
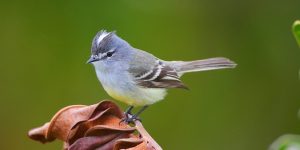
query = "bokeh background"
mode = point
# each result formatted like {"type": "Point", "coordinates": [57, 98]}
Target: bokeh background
{"type": "Point", "coordinates": [44, 46]}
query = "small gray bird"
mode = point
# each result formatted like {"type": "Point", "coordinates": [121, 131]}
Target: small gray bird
{"type": "Point", "coordinates": [138, 78]}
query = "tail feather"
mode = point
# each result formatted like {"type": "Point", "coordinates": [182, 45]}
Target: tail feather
{"type": "Point", "coordinates": [202, 65]}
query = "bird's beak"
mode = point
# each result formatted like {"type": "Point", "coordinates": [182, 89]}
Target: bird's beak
{"type": "Point", "coordinates": [92, 59]}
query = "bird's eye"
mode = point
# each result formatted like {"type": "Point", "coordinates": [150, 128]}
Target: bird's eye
{"type": "Point", "coordinates": [109, 54]}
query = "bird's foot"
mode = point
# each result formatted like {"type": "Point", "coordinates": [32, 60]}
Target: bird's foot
{"type": "Point", "coordinates": [128, 119]}
{"type": "Point", "coordinates": [127, 114]}
{"type": "Point", "coordinates": [128, 111]}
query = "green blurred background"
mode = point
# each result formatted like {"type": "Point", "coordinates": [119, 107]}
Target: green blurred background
{"type": "Point", "coordinates": [44, 46]}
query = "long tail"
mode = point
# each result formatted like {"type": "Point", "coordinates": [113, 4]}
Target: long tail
{"type": "Point", "coordinates": [202, 65]}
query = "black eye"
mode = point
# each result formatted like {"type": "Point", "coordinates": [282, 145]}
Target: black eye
{"type": "Point", "coordinates": [109, 54]}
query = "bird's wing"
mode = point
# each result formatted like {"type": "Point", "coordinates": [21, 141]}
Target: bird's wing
{"type": "Point", "coordinates": [150, 72]}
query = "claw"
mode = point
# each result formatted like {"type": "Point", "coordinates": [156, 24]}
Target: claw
{"type": "Point", "coordinates": [130, 119]}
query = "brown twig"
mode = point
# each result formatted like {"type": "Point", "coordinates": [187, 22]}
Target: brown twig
{"type": "Point", "coordinates": [151, 143]}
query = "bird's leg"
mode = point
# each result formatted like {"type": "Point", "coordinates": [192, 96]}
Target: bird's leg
{"type": "Point", "coordinates": [136, 116]}
{"type": "Point", "coordinates": [128, 111]}
{"type": "Point", "coordinates": [127, 114]}
{"type": "Point", "coordinates": [140, 111]}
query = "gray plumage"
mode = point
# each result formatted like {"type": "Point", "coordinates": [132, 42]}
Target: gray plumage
{"type": "Point", "coordinates": [129, 72]}
{"type": "Point", "coordinates": [202, 65]}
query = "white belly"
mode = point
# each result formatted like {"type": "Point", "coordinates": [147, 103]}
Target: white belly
{"type": "Point", "coordinates": [119, 87]}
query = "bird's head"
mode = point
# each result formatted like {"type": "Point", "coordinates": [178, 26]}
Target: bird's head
{"type": "Point", "coordinates": [106, 46]}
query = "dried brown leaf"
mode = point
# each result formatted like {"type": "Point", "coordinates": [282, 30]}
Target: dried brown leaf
{"type": "Point", "coordinates": [93, 127]}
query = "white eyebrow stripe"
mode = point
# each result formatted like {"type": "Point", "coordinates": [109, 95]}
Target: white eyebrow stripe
{"type": "Point", "coordinates": [101, 37]}
{"type": "Point", "coordinates": [112, 50]}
